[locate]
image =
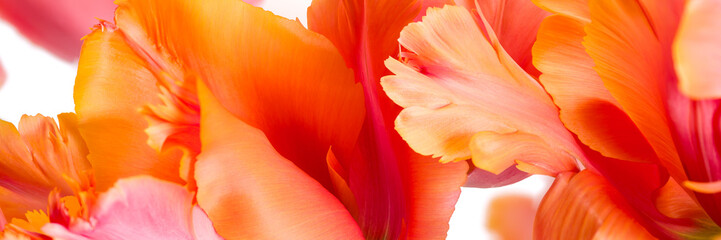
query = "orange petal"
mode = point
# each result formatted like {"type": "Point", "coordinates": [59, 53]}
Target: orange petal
{"type": "Point", "coordinates": [39, 158]}
{"type": "Point", "coordinates": [139, 206]}
{"type": "Point", "coordinates": [363, 32]}
{"type": "Point", "coordinates": [250, 191]}
{"type": "Point", "coordinates": [457, 84]}
{"type": "Point", "coordinates": [572, 8]}
{"type": "Point", "coordinates": [635, 78]}
{"type": "Point", "coordinates": [232, 59]}
{"type": "Point", "coordinates": [339, 178]}
{"type": "Point", "coordinates": [697, 50]}
{"type": "Point", "coordinates": [56, 26]}
{"type": "Point", "coordinates": [663, 17]}
{"type": "Point", "coordinates": [585, 206]}
{"type": "Point", "coordinates": [704, 187]}
{"type": "Point", "coordinates": [425, 4]}
{"type": "Point", "coordinates": [587, 108]}
{"type": "Point", "coordinates": [510, 217]}
{"type": "Point", "coordinates": [674, 201]}
{"type": "Point", "coordinates": [112, 85]}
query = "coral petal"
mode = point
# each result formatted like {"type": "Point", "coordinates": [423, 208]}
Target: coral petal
{"type": "Point", "coordinates": [585, 206]}
{"type": "Point", "coordinates": [250, 191]}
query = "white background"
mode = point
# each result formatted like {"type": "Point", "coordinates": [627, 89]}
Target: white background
{"type": "Point", "coordinates": [41, 83]}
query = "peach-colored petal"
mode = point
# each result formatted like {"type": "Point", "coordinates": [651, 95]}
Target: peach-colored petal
{"type": "Point", "coordinates": [510, 217]}
{"type": "Point", "coordinates": [56, 26]}
{"type": "Point", "coordinates": [491, 151]}
{"type": "Point", "coordinates": [37, 158]}
{"type": "Point", "coordinates": [697, 50]}
{"type": "Point", "coordinates": [142, 207]}
{"type": "Point", "coordinates": [250, 191]}
{"type": "Point", "coordinates": [456, 84]}
{"type": "Point", "coordinates": [636, 78]}
{"type": "Point", "coordinates": [587, 108]}
{"type": "Point", "coordinates": [585, 206]}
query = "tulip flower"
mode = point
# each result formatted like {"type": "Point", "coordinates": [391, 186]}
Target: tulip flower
{"type": "Point", "coordinates": [625, 138]}
{"type": "Point", "coordinates": [282, 131]}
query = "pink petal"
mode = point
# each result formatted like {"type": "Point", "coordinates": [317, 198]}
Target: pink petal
{"type": "Point", "coordinates": [56, 26]}
{"type": "Point", "coordinates": [140, 207]}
